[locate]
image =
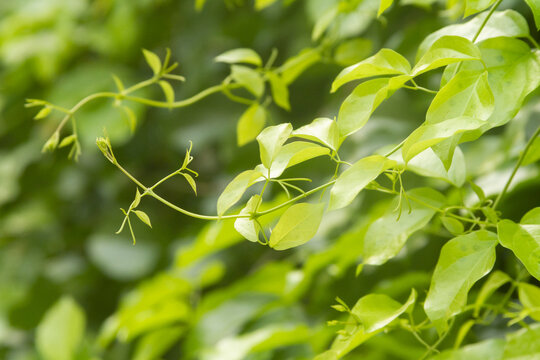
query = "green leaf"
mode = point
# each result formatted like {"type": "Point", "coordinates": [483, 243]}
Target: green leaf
{"type": "Point", "coordinates": [523, 239]}
{"type": "Point", "coordinates": [167, 90]}
{"type": "Point", "coordinates": [533, 154]}
{"type": "Point", "coordinates": [384, 4]}
{"type": "Point", "coordinates": [248, 78]}
{"type": "Point", "coordinates": [355, 178]}
{"type": "Point", "coordinates": [190, 181]}
{"type": "Point", "coordinates": [43, 113]}
{"type": "Point", "coordinates": [428, 164]}
{"type": "Point", "coordinates": [387, 235]}
{"type": "Point", "coordinates": [297, 225]}
{"type": "Point", "coordinates": [385, 62]}
{"type": "Point", "coordinates": [508, 23]}
{"type": "Point", "coordinates": [292, 154]}
{"type": "Point", "coordinates": [143, 217]}
{"type": "Point", "coordinates": [463, 261]}
{"type": "Point", "coordinates": [263, 4]}
{"type": "Point", "coordinates": [529, 296]}
{"type": "Point", "coordinates": [155, 344]}
{"type": "Point", "coordinates": [357, 108]}
{"type": "Point", "coordinates": [491, 349]}
{"type": "Point", "coordinates": [429, 135]}
{"type": "Point", "coordinates": [250, 124]}
{"type": "Point", "coordinates": [352, 51]}
{"type": "Point", "coordinates": [137, 199]}
{"type": "Point", "coordinates": [444, 51]}
{"type": "Point", "coordinates": [495, 280]}
{"type": "Point", "coordinates": [52, 143]}
{"type": "Point", "coordinates": [153, 61]}
{"type": "Point", "coordinates": [68, 140]}
{"type": "Point", "coordinates": [271, 140]}
{"type": "Point", "coordinates": [130, 116]}
{"type": "Point", "coordinates": [523, 344]}
{"type": "Point", "coordinates": [280, 92]}
{"type": "Point", "coordinates": [118, 83]}
{"type": "Point", "coordinates": [453, 225]}
{"type": "Point", "coordinates": [375, 311]}
{"type": "Point", "coordinates": [535, 8]}
{"type": "Point", "coordinates": [61, 331]}
{"type": "Point", "coordinates": [241, 55]}
{"type": "Point", "coordinates": [296, 65]}
{"type": "Point", "coordinates": [248, 227]}
{"type": "Point", "coordinates": [321, 130]}
{"type": "Point", "coordinates": [323, 22]}
{"type": "Point", "coordinates": [475, 6]}
{"type": "Point", "coordinates": [235, 189]}
{"type": "Point", "coordinates": [467, 94]}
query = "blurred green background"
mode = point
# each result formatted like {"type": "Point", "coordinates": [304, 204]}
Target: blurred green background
{"type": "Point", "coordinates": [191, 289]}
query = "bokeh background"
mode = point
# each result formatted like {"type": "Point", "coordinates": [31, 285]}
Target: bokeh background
{"type": "Point", "coordinates": [189, 288]}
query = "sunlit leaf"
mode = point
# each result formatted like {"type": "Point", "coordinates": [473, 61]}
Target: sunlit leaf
{"type": "Point", "coordinates": [235, 189]}
{"type": "Point", "coordinates": [385, 62]}
{"type": "Point", "coordinates": [271, 140]}
{"type": "Point", "coordinates": [167, 90]}
{"type": "Point", "coordinates": [529, 296]}
{"type": "Point", "coordinates": [280, 92]}
{"type": "Point", "coordinates": [523, 239]}
{"type": "Point", "coordinates": [153, 61]}
{"type": "Point", "coordinates": [321, 130]}
{"type": "Point", "coordinates": [190, 181]}
{"type": "Point", "coordinates": [247, 227]}
{"type": "Point", "coordinates": [535, 8]}
{"type": "Point", "coordinates": [143, 216]}
{"type": "Point", "coordinates": [250, 124]}
{"type": "Point", "coordinates": [297, 225]}
{"type": "Point", "coordinates": [463, 261]}
{"type": "Point", "coordinates": [241, 55]}
{"type": "Point", "coordinates": [296, 65]}
{"type": "Point", "coordinates": [292, 154]}
{"type": "Point", "coordinates": [248, 78]}
{"type": "Point", "coordinates": [61, 331]}
{"type": "Point", "coordinates": [355, 178]}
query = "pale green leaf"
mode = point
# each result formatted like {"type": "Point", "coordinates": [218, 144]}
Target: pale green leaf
{"type": "Point", "coordinates": [143, 217]}
{"type": "Point", "coordinates": [384, 4]}
{"type": "Point", "coordinates": [43, 113]}
{"type": "Point", "coordinates": [167, 90]}
{"type": "Point", "coordinates": [297, 225]}
{"type": "Point", "coordinates": [355, 178]}
{"type": "Point", "coordinates": [453, 225]}
{"type": "Point", "coordinates": [428, 135]}
{"type": "Point", "coordinates": [535, 8]}
{"type": "Point", "coordinates": [156, 343]}
{"type": "Point", "coordinates": [529, 296]}
{"type": "Point", "coordinates": [323, 22]}
{"type": "Point", "coordinates": [271, 140]}
{"type": "Point", "coordinates": [190, 181]}
{"type": "Point", "coordinates": [262, 4]}
{"type": "Point", "coordinates": [130, 116]}
{"type": "Point", "coordinates": [235, 189]}
{"type": "Point", "coordinates": [61, 331]}
{"type": "Point", "coordinates": [475, 6]}
{"type": "Point", "coordinates": [491, 349]}
{"type": "Point", "coordinates": [280, 92]}
{"type": "Point", "coordinates": [463, 261]}
{"type": "Point", "coordinates": [352, 51]}
{"type": "Point", "coordinates": [294, 153]}
{"type": "Point", "coordinates": [523, 344]}
{"type": "Point", "coordinates": [385, 62]}
{"type": "Point", "coordinates": [153, 61]}
{"type": "Point", "coordinates": [248, 227]}
{"type": "Point", "coordinates": [296, 65]}
{"type": "Point", "coordinates": [444, 51]}
{"type": "Point", "coordinates": [52, 143]}
{"type": "Point", "coordinates": [467, 94]}
{"type": "Point", "coordinates": [495, 280]}
{"type": "Point", "coordinates": [360, 104]}
{"type": "Point", "coordinates": [428, 164]}
{"type": "Point", "coordinates": [321, 130]}
{"type": "Point", "coordinates": [375, 311]}
{"type": "Point", "coordinates": [248, 78]}
{"type": "Point", "coordinates": [523, 239]}
{"type": "Point", "coordinates": [68, 140]}
{"type": "Point", "coordinates": [241, 55]}
{"type": "Point", "coordinates": [250, 124]}
{"type": "Point", "coordinates": [387, 235]}
{"type": "Point", "coordinates": [137, 199]}
{"type": "Point", "coordinates": [507, 23]}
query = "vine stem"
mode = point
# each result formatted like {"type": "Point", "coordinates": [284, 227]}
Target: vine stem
{"type": "Point", "coordinates": [491, 11]}
{"type": "Point", "coordinates": [518, 164]}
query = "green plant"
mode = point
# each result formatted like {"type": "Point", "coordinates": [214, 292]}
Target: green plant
{"type": "Point", "coordinates": [488, 73]}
